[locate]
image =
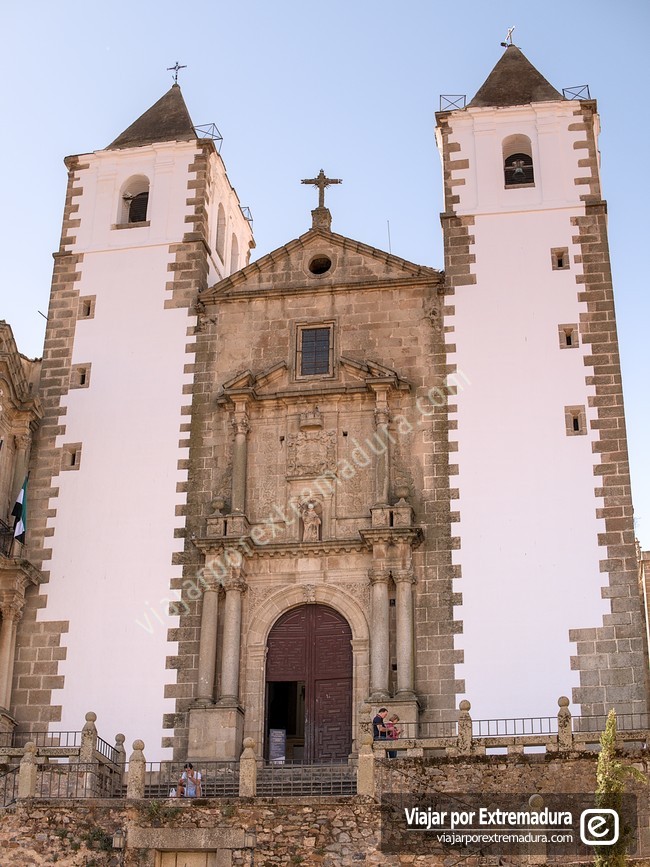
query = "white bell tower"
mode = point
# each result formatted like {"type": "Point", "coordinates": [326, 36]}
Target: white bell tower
{"type": "Point", "coordinates": [544, 508]}
{"type": "Point", "coordinates": [149, 222]}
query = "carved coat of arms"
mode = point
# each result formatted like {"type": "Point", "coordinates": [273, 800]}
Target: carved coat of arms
{"type": "Point", "coordinates": [311, 453]}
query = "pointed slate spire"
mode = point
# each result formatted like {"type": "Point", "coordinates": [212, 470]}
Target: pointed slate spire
{"type": "Point", "coordinates": [514, 81]}
{"type": "Point", "coordinates": [166, 120]}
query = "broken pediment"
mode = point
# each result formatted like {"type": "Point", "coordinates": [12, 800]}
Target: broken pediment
{"type": "Point", "coordinates": [320, 260]}
{"type": "Point", "coordinates": [277, 381]}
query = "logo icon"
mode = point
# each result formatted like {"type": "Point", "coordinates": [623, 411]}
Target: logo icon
{"type": "Point", "coordinates": [599, 827]}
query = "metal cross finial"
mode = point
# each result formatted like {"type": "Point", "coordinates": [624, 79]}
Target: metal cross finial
{"type": "Point", "coordinates": [321, 182]}
{"type": "Point", "coordinates": [175, 69]}
{"type": "Point", "coordinates": [508, 39]}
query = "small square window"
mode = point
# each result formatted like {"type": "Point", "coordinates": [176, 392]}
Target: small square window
{"type": "Point", "coordinates": [86, 307]}
{"type": "Point", "coordinates": [314, 351]}
{"type": "Point", "coordinates": [80, 376]}
{"type": "Point", "coordinates": [71, 456]}
{"type": "Point", "coordinates": [575, 419]}
{"type": "Point", "coordinates": [560, 259]}
{"type": "Point", "coordinates": [569, 336]}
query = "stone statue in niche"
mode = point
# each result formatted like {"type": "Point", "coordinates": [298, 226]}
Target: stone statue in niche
{"type": "Point", "coordinates": [311, 523]}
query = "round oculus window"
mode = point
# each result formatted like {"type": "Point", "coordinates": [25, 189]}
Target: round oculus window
{"type": "Point", "coordinates": [320, 265]}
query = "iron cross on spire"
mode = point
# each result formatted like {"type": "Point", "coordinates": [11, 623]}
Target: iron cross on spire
{"type": "Point", "coordinates": [321, 182]}
{"type": "Point", "coordinates": [175, 69]}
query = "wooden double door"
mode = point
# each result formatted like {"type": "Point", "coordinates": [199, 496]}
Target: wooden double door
{"type": "Point", "coordinates": [309, 684]}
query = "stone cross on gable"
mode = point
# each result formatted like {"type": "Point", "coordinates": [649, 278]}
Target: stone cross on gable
{"type": "Point", "coordinates": [321, 182]}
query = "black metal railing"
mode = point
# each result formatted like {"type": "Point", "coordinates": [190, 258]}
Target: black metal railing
{"type": "Point", "coordinates": [18, 739]}
{"type": "Point", "coordinates": [452, 101]}
{"type": "Point", "coordinates": [105, 749]}
{"type": "Point", "coordinates": [491, 728]}
{"type": "Point", "coordinates": [218, 779]}
{"type": "Point", "coordinates": [6, 539]}
{"type": "Point", "coordinates": [581, 91]}
{"type": "Point", "coordinates": [77, 780]}
{"type": "Point", "coordinates": [625, 722]}
{"type": "Point", "coordinates": [299, 780]}
{"type": "Point", "coordinates": [8, 787]}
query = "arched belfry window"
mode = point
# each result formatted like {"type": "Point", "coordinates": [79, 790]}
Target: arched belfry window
{"type": "Point", "coordinates": [134, 200]}
{"type": "Point", "coordinates": [234, 254]}
{"type": "Point", "coordinates": [518, 161]}
{"type": "Point", "coordinates": [221, 233]}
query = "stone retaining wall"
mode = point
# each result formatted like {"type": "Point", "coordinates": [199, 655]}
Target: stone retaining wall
{"type": "Point", "coordinates": [308, 831]}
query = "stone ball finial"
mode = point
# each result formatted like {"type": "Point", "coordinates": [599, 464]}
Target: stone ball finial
{"type": "Point", "coordinates": [138, 745]}
{"type": "Point", "coordinates": [119, 738]}
{"type": "Point", "coordinates": [536, 802]}
{"type": "Point", "coordinates": [30, 747]}
{"type": "Point", "coordinates": [91, 716]}
{"type": "Point", "coordinates": [465, 705]}
{"type": "Point", "coordinates": [563, 701]}
{"type": "Point", "coordinates": [366, 739]}
{"type": "Point", "coordinates": [248, 743]}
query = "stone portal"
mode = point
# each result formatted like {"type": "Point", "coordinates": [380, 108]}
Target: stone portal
{"type": "Point", "coordinates": [309, 684]}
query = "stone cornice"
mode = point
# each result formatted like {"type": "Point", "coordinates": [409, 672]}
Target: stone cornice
{"type": "Point", "coordinates": [297, 550]}
{"type": "Point", "coordinates": [19, 571]}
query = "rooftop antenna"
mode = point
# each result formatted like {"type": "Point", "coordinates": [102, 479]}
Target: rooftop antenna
{"type": "Point", "coordinates": [508, 40]}
{"type": "Point", "coordinates": [388, 226]}
{"type": "Point", "coordinates": [175, 69]}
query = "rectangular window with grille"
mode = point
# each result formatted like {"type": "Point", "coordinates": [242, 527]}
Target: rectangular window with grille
{"type": "Point", "coordinates": [314, 351]}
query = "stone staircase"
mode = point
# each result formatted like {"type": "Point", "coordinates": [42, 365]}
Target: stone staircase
{"type": "Point", "coordinates": [274, 781]}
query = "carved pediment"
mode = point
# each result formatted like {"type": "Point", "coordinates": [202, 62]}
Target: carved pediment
{"type": "Point", "coordinates": [276, 381]}
{"type": "Point", "coordinates": [348, 263]}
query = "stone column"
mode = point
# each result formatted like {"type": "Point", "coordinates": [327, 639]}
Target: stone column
{"type": "Point", "coordinates": [208, 645]}
{"type": "Point", "coordinates": [382, 465]}
{"type": "Point", "coordinates": [22, 441]}
{"type": "Point", "coordinates": [234, 588]}
{"type": "Point", "coordinates": [404, 580]}
{"type": "Point", "coordinates": [239, 459]}
{"type": "Point", "coordinates": [11, 614]}
{"type": "Point", "coordinates": [379, 647]}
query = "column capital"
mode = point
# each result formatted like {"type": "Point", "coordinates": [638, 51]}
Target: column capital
{"type": "Point", "coordinates": [11, 607]}
{"type": "Point", "coordinates": [382, 416]}
{"type": "Point", "coordinates": [406, 576]}
{"type": "Point", "coordinates": [22, 441]}
{"type": "Point", "coordinates": [379, 576]}
{"type": "Point", "coordinates": [241, 425]}
{"type": "Point", "coordinates": [235, 583]}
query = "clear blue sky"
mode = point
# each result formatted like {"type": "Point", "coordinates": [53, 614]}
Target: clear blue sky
{"type": "Point", "coordinates": [351, 87]}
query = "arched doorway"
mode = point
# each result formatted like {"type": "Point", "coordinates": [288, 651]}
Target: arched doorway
{"type": "Point", "coordinates": [309, 684]}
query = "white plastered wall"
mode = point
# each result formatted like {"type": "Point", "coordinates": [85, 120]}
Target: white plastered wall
{"type": "Point", "coordinates": [528, 529]}
{"type": "Point", "coordinates": [115, 516]}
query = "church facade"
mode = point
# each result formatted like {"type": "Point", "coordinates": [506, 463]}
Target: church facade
{"type": "Point", "coordinates": [273, 496]}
